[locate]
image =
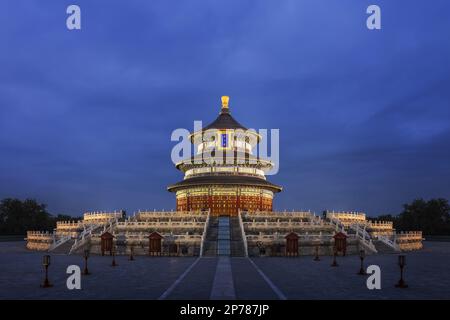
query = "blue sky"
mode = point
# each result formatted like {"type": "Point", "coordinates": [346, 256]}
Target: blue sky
{"type": "Point", "coordinates": [86, 116]}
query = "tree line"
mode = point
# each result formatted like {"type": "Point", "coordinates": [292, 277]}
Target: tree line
{"type": "Point", "coordinates": [432, 217]}
{"type": "Point", "coordinates": [17, 217]}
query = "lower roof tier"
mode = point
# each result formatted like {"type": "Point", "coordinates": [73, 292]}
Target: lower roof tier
{"type": "Point", "coordinates": [224, 180]}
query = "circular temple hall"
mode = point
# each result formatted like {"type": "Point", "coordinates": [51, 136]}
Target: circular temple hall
{"type": "Point", "coordinates": [224, 175]}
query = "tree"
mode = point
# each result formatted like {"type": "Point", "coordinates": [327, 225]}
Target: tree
{"type": "Point", "coordinates": [17, 216]}
{"type": "Point", "coordinates": [65, 217]}
{"type": "Point", "coordinates": [386, 217]}
{"type": "Point", "coordinates": [432, 217]}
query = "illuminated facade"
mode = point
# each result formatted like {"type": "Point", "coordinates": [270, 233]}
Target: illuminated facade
{"type": "Point", "coordinates": [224, 178]}
{"type": "Point", "coordinates": [224, 175]}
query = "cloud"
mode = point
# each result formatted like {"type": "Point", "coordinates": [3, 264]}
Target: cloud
{"type": "Point", "coordinates": [86, 117]}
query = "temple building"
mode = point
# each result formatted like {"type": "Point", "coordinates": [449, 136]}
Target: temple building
{"type": "Point", "coordinates": [224, 176]}
{"type": "Point", "coordinates": [224, 206]}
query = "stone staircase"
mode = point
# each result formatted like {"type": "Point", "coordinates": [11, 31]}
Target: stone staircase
{"type": "Point", "coordinates": [382, 247]}
{"type": "Point", "coordinates": [210, 244]}
{"type": "Point", "coordinates": [236, 241]}
{"type": "Point", "coordinates": [64, 248]}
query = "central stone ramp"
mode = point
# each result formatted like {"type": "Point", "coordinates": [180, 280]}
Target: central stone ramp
{"type": "Point", "coordinates": [223, 238]}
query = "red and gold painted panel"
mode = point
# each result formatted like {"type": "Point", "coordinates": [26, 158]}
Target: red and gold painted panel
{"type": "Point", "coordinates": [224, 204]}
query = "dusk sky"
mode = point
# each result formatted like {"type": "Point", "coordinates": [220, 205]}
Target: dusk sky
{"type": "Point", "coordinates": [86, 115]}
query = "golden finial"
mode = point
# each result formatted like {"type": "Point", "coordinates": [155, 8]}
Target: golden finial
{"type": "Point", "coordinates": [225, 100]}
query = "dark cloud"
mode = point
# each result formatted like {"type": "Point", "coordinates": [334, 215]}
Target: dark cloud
{"type": "Point", "coordinates": [86, 117]}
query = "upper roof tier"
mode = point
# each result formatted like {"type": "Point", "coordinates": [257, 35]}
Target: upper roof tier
{"type": "Point", "coordinates": [225, 121]}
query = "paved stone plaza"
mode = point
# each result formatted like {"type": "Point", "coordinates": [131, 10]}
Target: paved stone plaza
{"type": "Point", "coordinates": [427, 273]}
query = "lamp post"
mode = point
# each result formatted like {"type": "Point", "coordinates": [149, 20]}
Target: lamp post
{"type": "Point", "coordinates": [316, 258]}
{"type": "Point", "coordinates": [334, 264]}
{"type": "Point", "coordinates": [131, 258]}
{"type": "Point", "coordinates": [362, 255]}
{"type": "Point", "coordinates": [46, 263]}
{"type": "Point", "coordinates": [86, 256]}
{"type": "Point", "coordinates": [113, 251]}
{"type": "Point", "coordinates": [401, 263]}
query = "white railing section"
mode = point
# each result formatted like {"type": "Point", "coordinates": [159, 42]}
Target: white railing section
{"type": "Point", "coordinates": [286, 224]}
{"type": "Point", "coordinates": [364, 237]}
{"type": "Point", "coordinates": [244, 237]}
{"type": "Point", "coordinates": [84, 237]}
{"type": "Point", "coordinates": [59, 242]}
{"type": "Point", "coordinates": [86, 234]}
{"type": "Point", "coordinates": [277, 214]}
{"type": "Point", "coordinates": [339, 227]}
{"type": "Point", "coordinates": [143, 237]}
{"type": "Point", "coordinates": [108, 227]}
{"type": "Point", "coordinates": [391, 243]}
{"type": "Point", "coordinates": [205, 229]}
{"type": "Point", "coordinates": [280, 237]}
{"type": "Point", "coordinates": [159, 224]}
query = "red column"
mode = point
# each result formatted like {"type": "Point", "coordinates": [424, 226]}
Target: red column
{"type": "Point", "coordinates": [187, 202]}
{"type": "Point", "coordinates": [210, 200]}
{"type": "Point", "coordinates": [260, 202]}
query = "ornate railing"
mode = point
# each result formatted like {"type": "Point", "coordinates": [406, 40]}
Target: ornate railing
{"type": "Point", "coordinates": [364, 237]}
{"type": "Point", "coordinates": [281, 237]}
{"type": "Point", "coordinates": [59, 242]}
{"type": "Point", "coordinates": [84, 237]}
{"type": "Point", "coordinates": [156, 224]}
{"type": "Point", "coordinates": [391, 243]}
{"type": "Point", "coordinates": [244, 238]}
{"type": "Point", "coordinates": [337, 224]}
{"type": "Point", "coordinates": [146, 215]}
{"type": "Point", "coordinates": [275, 214]}
{"type": "Point", "coordinates": [205, 228]}
{"type": "Point", "coordinates": [282, 224]}
{"type": "Point", "coordinates": [409, 235]}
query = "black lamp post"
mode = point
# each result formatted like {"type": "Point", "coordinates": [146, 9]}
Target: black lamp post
{"type": "Point", "coordinates": [316, 258]}
{"type": "Point", "coordinates": [86, 256]}
{"type": "Point", "coordinates": [113, 251]}
{"type": "Point", "coordinates": [362, 255]}
{"type": "Point", "coordinates": [401, 263]}
{"type": "Point", "coordinates": [46, 263]}
{"type": "Point", "coordinates": [131, 258]}
{"type": "Point", "coordinates": [334, 264]}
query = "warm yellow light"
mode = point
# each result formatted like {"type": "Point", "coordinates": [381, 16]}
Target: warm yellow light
{"type": "Point", "coordinates": [225, 100]}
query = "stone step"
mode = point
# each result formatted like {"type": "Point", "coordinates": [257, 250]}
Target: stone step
{"type": "Point", "coordinates": [64, 248]}
{"type": "Point", "coordinates": [382, 247]}
{"type": "Point", "coordinates": [237, 249]}
{"type": "Point", "coordinates": [237, 243]}
{"type": "Point", "coordinates": [210, 244]}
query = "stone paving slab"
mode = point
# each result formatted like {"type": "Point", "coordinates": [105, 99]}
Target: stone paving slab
{"type": "Point", "coordinates": [223, 286]}
{"type": "Point", "coordinates": [427, 273]}
{"type": "Point", "coordinates": [248, 283]}
{"type": "Point", "coordinates": [21, 274]}
{"type": "Point", "coordinates": [197, 284]}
